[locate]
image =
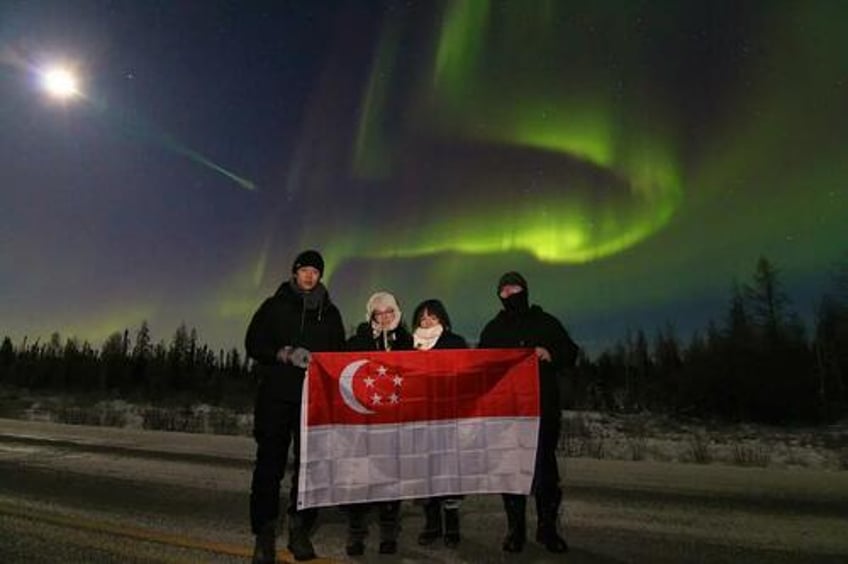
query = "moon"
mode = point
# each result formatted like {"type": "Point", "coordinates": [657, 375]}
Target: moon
{"type": "Point", "coordinates": [346, 387]}
{"type": "Point", "coordinates": [60, 82]}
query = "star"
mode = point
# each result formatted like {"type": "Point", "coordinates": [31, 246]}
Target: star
{"type": "Point", "coordinates": [397, 380]}
{"type": "Point", "coordinates": [394, 398]}
{"type": "Point", "coordinates": [369, 382]}
{"type": "Point", "coordinates": [382, 371]}
{"type": "Point", "coordinates": [376, 399]}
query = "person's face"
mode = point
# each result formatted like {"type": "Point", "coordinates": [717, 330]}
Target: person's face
{"type": "Point", "coordinates": [509, 290]}
{"type": "Point", "coordinates": [428, 320]}
{"type": "Point", "coordinates": [384, 317]}
{"type": "Point", "coordinates": [307, 277]}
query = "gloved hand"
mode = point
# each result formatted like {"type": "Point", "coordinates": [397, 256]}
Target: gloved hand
{"type": "Point", "coordinates": [284, 355]}
{"type": "Point", "coordinates": [300, 357]}
{"type": "Point", "coordinates": [543, 354]}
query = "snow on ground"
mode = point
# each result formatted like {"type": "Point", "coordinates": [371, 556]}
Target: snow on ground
{"type": "Point", "coordinates": [659, 438]}
{"type": "Point", "coordinates": [585, 434]}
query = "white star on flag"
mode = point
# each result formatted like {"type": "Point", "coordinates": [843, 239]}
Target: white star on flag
{"type": "Point", "coordinates": [376, 399]}
{"type": "Point", "coordinates": [394, 398]}
{"type": "Point", "coordinates": [382, 371]}
{"type": "Point", "coordinates": [369, 382]}
{"type": "Point", "coordinates": [398, 380]}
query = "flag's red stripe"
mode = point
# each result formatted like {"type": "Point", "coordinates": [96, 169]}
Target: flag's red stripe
{"type": "Point", "coordinates": [434, 385]}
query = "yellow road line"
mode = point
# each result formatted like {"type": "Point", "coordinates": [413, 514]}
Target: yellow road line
{"type": "Point", "coordinates": [139, 533]}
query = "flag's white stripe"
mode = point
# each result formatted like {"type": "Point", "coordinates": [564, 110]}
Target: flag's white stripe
{"type": "Point", "coordinates": [354, 463]}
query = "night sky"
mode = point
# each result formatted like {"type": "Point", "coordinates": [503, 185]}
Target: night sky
{"type": "Point", "coordinates": [629, 158]}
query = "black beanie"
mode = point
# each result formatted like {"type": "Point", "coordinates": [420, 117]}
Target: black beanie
{"type": "Point", "coordinates": [309, 258]}
{"type": "Point", "coordinates": [512, 278]}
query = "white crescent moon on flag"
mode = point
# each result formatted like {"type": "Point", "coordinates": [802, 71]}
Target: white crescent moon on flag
{"type": "Point", "coordinates": [346, 386]}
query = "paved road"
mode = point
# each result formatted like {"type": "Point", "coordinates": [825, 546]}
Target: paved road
{"type": "Point", "coordinates": [82, 494]}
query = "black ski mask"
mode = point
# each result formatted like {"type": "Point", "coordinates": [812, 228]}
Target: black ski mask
{"type": "Point", "coordinates": [518, 302]}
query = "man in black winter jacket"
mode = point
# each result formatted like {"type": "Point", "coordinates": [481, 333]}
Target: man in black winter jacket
{"type": "Point", "coordinates": [519, 325]}
{"type": "Point", "coordinates": [298, 319]}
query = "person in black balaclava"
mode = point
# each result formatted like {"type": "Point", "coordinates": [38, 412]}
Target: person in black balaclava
{"type": "Point", "coordinates": [297, 320]}
{"type": "Point", "coordinates": [520, 325]}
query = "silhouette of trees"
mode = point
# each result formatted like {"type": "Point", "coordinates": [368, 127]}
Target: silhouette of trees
{"type": "Point", "coordinates": [668, 367]}
{"type": "Point", "coordinates": [782, 379]}
{"type": "Point", "coordinates": [830, 346]}
{"type": "Point", "coordinates": [756, 364]}
{"type": "Point", "coordinates": [126, 367]}
{"type": "Point", "coordinates": [7, 359]}
{"type": "Point", "coordinates": [141, 356]}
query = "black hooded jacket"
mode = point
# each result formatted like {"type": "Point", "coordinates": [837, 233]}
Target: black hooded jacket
{"type": "Point", "coordinates": [450, 340]}
{"type": "Point", "coordinates": [532, 328]}
{"type": "Point", "coordinates": [288, 319]}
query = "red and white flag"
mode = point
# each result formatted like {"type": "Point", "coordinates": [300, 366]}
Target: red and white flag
{"type": "Point", "coordinates": [396, 425]}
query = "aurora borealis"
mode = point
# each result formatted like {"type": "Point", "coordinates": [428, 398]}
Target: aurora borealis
{"type": "Point", "coordinates": [573, 143]}
{"type": "Point", "coordinates": [630, 158]}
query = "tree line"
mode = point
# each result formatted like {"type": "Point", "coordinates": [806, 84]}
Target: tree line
{"type": "Point", "coordinates": [130, 367]}
{"type": "Point", "coordinates": [758, 363]}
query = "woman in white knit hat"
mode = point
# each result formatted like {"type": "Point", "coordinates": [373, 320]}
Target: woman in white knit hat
{"type": "Point", "coordinates": [383, 330]}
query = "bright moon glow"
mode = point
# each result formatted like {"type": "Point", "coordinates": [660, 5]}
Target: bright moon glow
{"type": "Point", "coordinates": [60, 83]}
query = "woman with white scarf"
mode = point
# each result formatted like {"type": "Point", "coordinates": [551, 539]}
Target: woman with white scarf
{"type": "Point", "coordinates": [432, 330]}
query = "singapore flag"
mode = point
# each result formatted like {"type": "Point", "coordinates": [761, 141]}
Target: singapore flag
{"type": "Point", "coordinates": [397, 425]}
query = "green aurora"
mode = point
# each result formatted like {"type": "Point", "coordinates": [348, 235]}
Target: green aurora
{"type": "Point", "coordinates": [641, 157]}
{"type": "Point", "coordinates": [631, 159]}
{"type": "Point", "coordinates": [460, 97]}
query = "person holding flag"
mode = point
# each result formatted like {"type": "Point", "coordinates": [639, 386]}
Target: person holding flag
{"type": "Point", "coordinates": [519, 325]}
{"type": "Point", "coordinates": [297, 320]}
{"type": "Point", "coordinates": [433, 331]}
{"type": "Point", "coordinates": [383, 330]}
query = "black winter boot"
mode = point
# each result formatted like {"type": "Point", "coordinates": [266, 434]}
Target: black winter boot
{"type": "Point", "coordinates": [357, 530]}
{"type": "Point", "coordinates": [388, 547]}
{"type": "Point", "coordinates": [265, 548]}
{"type": "Point", "coordinates": [355, 547]}
{"type": "Point", "coordinates": [432, 522]}
{"type": "Point", "coordinates": [546, 531]}
{"type": "Point", "coordinates": [515, 506]}
{"type": "Point", "coordinates": [388, 514]}
{"type": "Point", "coordinates": [300, 527]}
{"type": "Point", "coordinates": [549, 537]}
{"type": "Point", "coordinates": [452, 527]}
